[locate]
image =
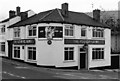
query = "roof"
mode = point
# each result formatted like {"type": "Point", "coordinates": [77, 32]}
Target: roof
{"type": "Point", "coordinates": [12, 17]}
{"type": "Point", "coordinates": [5, 20]}
{"type": "Point", "coordinates": [55, 15]}
{"type": "Point", "coordinates": [105, 16]}
{"type": "Point", "coordinates": [112, 13]}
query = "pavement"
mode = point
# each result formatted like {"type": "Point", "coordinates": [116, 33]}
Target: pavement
{"type": "Point", "coordinates": [66, 73]}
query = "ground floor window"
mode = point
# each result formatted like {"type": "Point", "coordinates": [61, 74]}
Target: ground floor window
{"type": "Point", "coordinates": [17, 52]}
{"type": "Point", "coordinates": [32, 53]}
{"type": "Point", "coordinates": [69, 53]}
{"type": "Point", "coordinates": [2, 46]}
{"type": "Point", "coordinates": [97, 53]}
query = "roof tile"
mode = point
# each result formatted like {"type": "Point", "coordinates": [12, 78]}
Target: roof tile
{"type": "Point", "coordinates": [54, 15]}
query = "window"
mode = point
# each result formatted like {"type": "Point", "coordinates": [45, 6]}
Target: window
{"type": "Point", "coordinates": [3, 29]}
{"type": "Point", "coordinates": [16, 32]}
{"type": "Point", "coordinates": [58, 33]}
{"type": "Point", "coordinates": [32, 31]}
{"type": "Point", "coordinates": [69, 30]}
{"type": "Point", "coordinates": [41, 32]}
{"type": "Point", "coordinates": [98, 32]}
{"type": "Point", "coordinates": [32, 53]}
{"type": "Point", "coordinates": [50, 32]}
{"type": "Point", "coordinates": [68, 53]}
{"type": "Point", "coordinates": [83, 32]}
{"type": "Point", "coordinates": [17, 52]}
{"type": "Point", "coordinates": [97, 53]}
{"type": "Point", "coordinates": [2, 46]}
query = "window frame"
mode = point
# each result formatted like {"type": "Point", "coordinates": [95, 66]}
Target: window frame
{"type": "Point", "coordinates": [17, 53]}
{"type": "Point", "coordinates": [44, 36]}
{"type": "Point", "coordinates": [98, 54]}
{"type": "Point", "coordinates": [59, 31]}
{"type": "Point", "coordinates": [84, 28]}
{"type": "Point", "coordinates": [2, 47]}
{"type": "Point", "coordinates": [68, 51]}
{"type": "Point", "coordinates": [98, 34]}
{"type": "Point", "coordinates": [32, 29]}
{"type": "Point", "coordinates": [17, 32]}
{"type": "Point", "coordinates": [32, 52]}
{"type": "Point", "coordinates": [3, 29]}
{"type": "Point", "coordinates": [67, 28]}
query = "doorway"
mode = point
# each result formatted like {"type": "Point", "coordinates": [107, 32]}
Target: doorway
{"type": "Point", "coordinates": [82, 56]}
{"type": "Point", "coordinates": [10, 44]}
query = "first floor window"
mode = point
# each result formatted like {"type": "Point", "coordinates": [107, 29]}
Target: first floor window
{"type": "Point", "coordinates": [32, 53]}
{"type": "Point", "coordinates": [58, 33]}
{"type": "Point", "coordinates": [98, 33]}
{"type": "Point", "coordinates": [68, 53]}
{"type": "Point", "coordinates": [32, 31]}
{"type": "Point", "coordinates": [97, 53]}
{"type": "Point", "coordinates": [17, 52]}
{"type": "Point", "coordinates": [41, 32]}
{"type": "Point", "coordinates": [3, 29]}
{"type": "Point", "coordinates": [69, 30]}
{"type": "Point", "coordinates": [16, 32]}
{"type": "Point", "coordinates": [50, 32]}
{"type": "Point", "coordinates": [2, 46]}
{"type": "Point", "coordinates": [83, 32]}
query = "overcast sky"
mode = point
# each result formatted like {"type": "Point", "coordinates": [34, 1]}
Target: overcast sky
{"type": "Point", "coordinates": [43, 5]}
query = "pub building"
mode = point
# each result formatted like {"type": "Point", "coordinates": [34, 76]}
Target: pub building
{"type": "Point", "coordinates": [61, 38]}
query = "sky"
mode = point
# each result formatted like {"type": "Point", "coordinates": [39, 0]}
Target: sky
{"type": "Point", "coordinates": [44, 5]}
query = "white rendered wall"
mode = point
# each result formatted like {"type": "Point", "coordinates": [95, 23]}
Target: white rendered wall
{"type": "Point", "coordinates": [22, 32]}
{"type": "Point", "coordinates": [10, 34]}
{"type": "Point", "coordinates": [3, 38]}
{"type": "Point", "coordinates": [53, 55]}
{"type": "Point", "coordinates": [9, 31]}
{"type": "Point", "coordinates": [49, 55]}
{"type": "Point", "coordinates": [107, 53]}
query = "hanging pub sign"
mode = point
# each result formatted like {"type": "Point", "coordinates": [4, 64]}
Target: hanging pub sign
{"type": "Point", "coordinates": [24, 41]}
{"type": "Point", "coordinates": [83, 41]}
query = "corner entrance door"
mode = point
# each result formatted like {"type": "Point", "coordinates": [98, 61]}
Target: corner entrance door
{"type": "Point", "coordinates": [10, 43]}
{"type": "Point", "coordinates": [82, 58]}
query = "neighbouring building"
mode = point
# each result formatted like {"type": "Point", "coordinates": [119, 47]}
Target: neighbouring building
{"type": "Point", "coordinates": [61, 38]}
{"type": "Point", "coordinates": [112, 19]}
{"type": "Point", "coordinates": [14, 17]}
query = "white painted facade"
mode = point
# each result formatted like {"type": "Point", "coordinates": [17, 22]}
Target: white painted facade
{"type": "Point", "coordinates": [3, 36]}
{"type": "Point", "coordinates": [7, 35]}
{"type": "Point", "coordinates": [53, 55]}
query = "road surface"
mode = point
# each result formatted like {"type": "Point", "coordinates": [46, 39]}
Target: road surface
{"type": "Point", "coordinates": [16, 70]}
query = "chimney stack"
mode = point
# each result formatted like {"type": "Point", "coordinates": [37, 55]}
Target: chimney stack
{"type": "Point", "coordinates": [65, 9]}
{"type": "Point", "coordinates": [18, 10]}
{"type": "Point", "coordinates": [11, 13]}
{"type": "Point", "coordinates": [24, 15]}
{"type": "Point", "coordinates": [96, 15]}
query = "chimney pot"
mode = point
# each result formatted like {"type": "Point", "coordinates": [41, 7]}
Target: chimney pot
{"type": "Point", "coordinates": [18, 10]}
